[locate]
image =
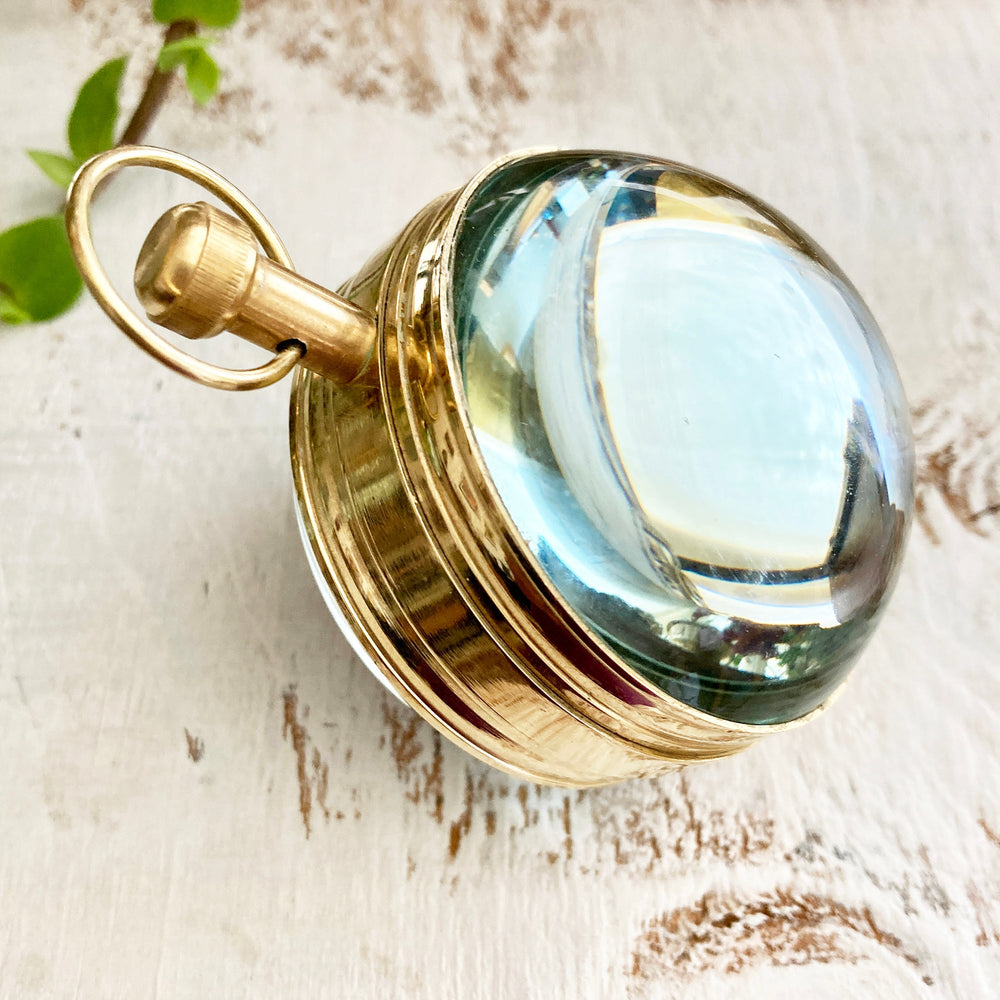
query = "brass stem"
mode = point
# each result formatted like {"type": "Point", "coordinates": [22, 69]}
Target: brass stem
{"type": "Point", "coordinates": [199, 273]}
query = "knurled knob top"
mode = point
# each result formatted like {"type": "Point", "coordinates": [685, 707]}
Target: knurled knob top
{"type": "Point", "coordinates": [194, 270]}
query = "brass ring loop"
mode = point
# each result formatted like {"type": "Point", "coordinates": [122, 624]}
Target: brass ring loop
{"type": "Point", "coordinates": [81, 193]}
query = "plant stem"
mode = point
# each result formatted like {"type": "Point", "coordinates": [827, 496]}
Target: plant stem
{"type": "Point", "coordinates": [155, 92]}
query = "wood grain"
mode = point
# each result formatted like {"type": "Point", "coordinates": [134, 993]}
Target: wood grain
{"type": "Point", "coordinates": [204, 793]}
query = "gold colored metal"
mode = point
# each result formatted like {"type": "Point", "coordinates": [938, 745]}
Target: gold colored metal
{"type": "Point", "coordinates": [429, 572]}
{"type": "Point", "coordinates": [199, 273]}
{"type": "Point", "coordinates": [82, 190]}
{"type": "Point", "coordinates": [194, 270]}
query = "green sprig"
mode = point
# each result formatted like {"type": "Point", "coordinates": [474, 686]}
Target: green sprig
{"type": "Point", "coordinates": [91, 125]}
{"type": "Point", "coordinates": [201, 73]}
{"type": "Point", "coordinates": [55, 166]}
{"type": "Point", "coordinates": [38, 276]}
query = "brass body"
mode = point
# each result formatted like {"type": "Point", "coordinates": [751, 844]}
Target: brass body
{"type": "Point", "coordinates": [431, 573]}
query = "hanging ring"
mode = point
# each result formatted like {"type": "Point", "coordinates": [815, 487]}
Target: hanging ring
{"type": "Point", "coordinates": [81, 192]}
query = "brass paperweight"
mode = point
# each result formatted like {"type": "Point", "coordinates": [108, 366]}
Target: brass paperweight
{"type": "Point", "coordinates": [603, 466]}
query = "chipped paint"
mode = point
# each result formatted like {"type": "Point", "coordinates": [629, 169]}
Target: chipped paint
{"type": "Point", "coordinates": [389, 52]}
{"type": "Point", "coordinates": [991, 835]}
{"type": "Point", "coordinates": [723, 933]}
{"type": "Point", "coordinates": [311, 770]}
{"type": "Point", "coordinates": [987, 926]}
{"type": "Point", "coordinates": [676, 826]}
{"type": "Point", "coordinates": [958, 460]}
{"type": "Point", "coordinates": [195, 746]}
{"type": "Point", "coordinates": [461, 826]}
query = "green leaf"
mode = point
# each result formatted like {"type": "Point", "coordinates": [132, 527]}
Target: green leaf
{"type": "Point", "coordinates": [215, 13]}
{"type": "Point", "coordinates": [38, 278]}
{"type": "Point", "coordinates": [95, 114]}
{"type": "Point", "coordinates": [174, 53]}
{"type": "Point", "coordinates": [54, 166]}
{"type": "Point", "coordinates": [201, 71]}
{"type": "Point", "coordinates": [202, 76]}
{"type": "Point", "coordinates": [10, 312]}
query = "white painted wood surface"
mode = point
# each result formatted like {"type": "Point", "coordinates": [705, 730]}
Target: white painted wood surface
{"type": "Point", "coordinates": [203, 793]}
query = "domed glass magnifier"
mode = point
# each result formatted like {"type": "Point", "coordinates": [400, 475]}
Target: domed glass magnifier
{"type": "Point", "coordinates": [602, 465]}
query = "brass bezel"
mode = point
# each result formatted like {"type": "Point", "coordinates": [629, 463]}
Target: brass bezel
{"type": "Point", "coordinates": [429, 570]}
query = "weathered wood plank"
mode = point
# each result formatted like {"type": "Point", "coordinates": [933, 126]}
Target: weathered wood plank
{"type": "Point", "coordinates": [203, 791]}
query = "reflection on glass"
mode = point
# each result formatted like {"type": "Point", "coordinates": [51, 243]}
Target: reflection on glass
{"type": "Point", "coordinates": [693, 420]}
